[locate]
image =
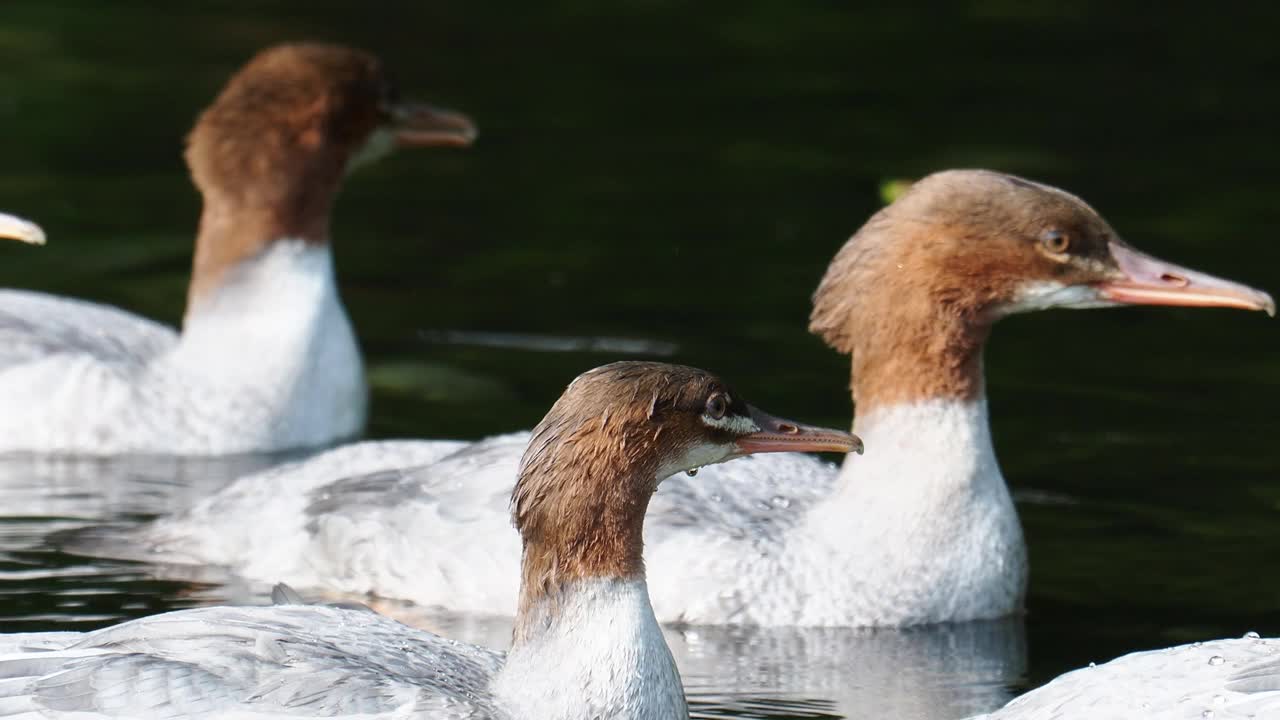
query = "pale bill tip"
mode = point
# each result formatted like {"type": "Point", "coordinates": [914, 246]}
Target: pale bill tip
{"type": "Point", "coordinates": [15, 228]}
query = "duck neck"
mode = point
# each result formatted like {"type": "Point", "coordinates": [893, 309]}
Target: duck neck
{"type": "Point", "coordinates": [926, 446]}
{"type": "Point", "coordinates": [263, 281]}
{"type": "Point", "coordinates": [272, 330]}
{"type": "Point", "coordinates": [232, 234]}
{"type": "Point", "coordinates": [591, 649]}
{"type": "Point", "coordinates": [600, 536]}
{"type": "Point", "coordinates": [586, 641]}
{"type": "Point", "coordinates": [921, 407]}
{"type": "Point", "coordinates": [908, 359]}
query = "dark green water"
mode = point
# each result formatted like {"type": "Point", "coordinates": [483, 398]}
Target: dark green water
{"type": "Point", "coordinates": [681, 174]}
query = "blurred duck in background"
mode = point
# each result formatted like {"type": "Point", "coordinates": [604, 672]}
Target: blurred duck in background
{"type": "Point", "coordinates": [266, 359]}
{"type": "Point", "coordinates": [586, 645]}
{"type": "Point", "coordinates": [922, 531]}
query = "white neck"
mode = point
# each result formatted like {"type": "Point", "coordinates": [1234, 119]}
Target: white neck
{"type": "Point", "coordinates": [922, 526]}
{"type": "Point", "coordinates": [287, 278]}
{"type": "Point", "coordinates": [594, 651]}
{"type": "Point", "coordinates": [923, 452]}
{"type": "Point", "coordinates": [276, 330]}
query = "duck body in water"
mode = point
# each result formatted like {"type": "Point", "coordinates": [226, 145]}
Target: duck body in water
{"type": "Point", "coordinates": [586, 642]}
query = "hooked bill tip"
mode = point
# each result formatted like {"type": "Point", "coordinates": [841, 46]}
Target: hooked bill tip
{"type": "Point", "coordinates": [15, 228]}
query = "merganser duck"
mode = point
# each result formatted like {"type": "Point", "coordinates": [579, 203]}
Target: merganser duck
{"type": "Point", "coordinates": [922, 531]}
{"type": "Point", "coordinates": [13, 227]}
{"type": "Point", "coordinates": [586, 643]}
{"type": "Point", "coordinates": [1218, 680]}
{"type": "Point", "coordinates": [266, 359]}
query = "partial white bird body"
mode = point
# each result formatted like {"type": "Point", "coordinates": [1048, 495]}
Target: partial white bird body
{"type": "Point", "coordinates": [739, 543]}
{"type": "Point", "coordinates": [807, 545]}
{"type": "Point", "coordinates": [254, 522]}
{"type": "Point", "coordinates": [1217, 680]}
{"type": "Point", "coordinates": [308, 661]}
{"type": "Point", "coordinates": [95, 380]}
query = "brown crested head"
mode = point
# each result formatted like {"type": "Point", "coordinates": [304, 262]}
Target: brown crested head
{"type": "Point", "coordinates": [912, 295]}
{"type": "Point", "coordinates": [301, 114]}
{"type": "Point", "coordinates": [593, 462]}
{"type": "Point", "coordinates": [270, 153]}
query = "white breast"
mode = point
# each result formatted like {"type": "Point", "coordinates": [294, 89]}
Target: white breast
{"type": "Point", "coordinates": [604, 642]}
{"type": "Point", "coordinates": [267, 361]}
{"type": "Point", "coordinates": [920, 529]}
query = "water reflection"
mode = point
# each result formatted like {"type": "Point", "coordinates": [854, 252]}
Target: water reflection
{"type": "Point", "coordinates": [91, 490]}
{"type": "Point", "coordinates": [945, 671]}
{"type": "Point", "coordinates": [42, 588]}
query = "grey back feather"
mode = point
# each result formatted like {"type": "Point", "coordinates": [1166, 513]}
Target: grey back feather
{"type": "Point", "coordinates": [291, 659]}
{"type": "Point", "coordinates": [35, 325]}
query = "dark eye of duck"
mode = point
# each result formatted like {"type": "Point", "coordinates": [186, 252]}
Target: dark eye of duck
{"type": "Point", "coordinates": [1055, 241]}
{"type": "Point", "coordinates": [717, 406]}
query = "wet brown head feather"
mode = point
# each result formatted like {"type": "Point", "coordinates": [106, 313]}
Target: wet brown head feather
{"type": "Point", "coordinates": [592, 464]}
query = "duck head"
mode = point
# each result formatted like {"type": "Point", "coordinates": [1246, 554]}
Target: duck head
{"type": "Point", "coordinates": [269, 155]}
{"type": "Point", "coordinates": [913, 294]}
{"type": "Point", "coordinates": [593, 462]}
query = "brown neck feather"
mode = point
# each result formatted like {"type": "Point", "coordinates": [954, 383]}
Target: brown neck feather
{"type": "Point", "coordinates": [579, 516]}
{"type": "Point", "coordinates": [910, 315]}
{"type": "Point", "coordinates": [231, 233]}
{"type": "Point", "coordinates": [909, 360]}
{"type": "Point", "coordinates": [268, 156]}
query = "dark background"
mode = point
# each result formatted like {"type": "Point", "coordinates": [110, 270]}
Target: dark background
{"type": "Point", "coordinates": [682, 172]}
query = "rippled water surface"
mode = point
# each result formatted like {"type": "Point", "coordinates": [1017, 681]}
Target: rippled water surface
{"type": "Point", "coordinates": [670, 179]}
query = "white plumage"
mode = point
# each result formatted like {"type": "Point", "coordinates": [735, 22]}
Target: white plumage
{"type": "Point", "coordinates": [268, 361]}
{"type": "Point", "coordinates": [1218, 680]}
{"type": "Point", "coordinates": [314, 661]}
{"type": "Point", "coordinates": [920, 529]}
{"type": "Point", "coordinates": [307, 661]}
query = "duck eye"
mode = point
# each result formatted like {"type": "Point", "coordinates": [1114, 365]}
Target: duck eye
{"type": "Point", "coordinates": [1055, 241]}
{"type": "Point", "coordinates": [717, 405]}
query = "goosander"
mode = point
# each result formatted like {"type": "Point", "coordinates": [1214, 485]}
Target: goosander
{"type": "Point", "coordinates": [266, 359]}
{"type": "Point", "coordinates": [923, 531]}
{"type": "Point", "coordinates": [586, 643]}
{"type": "Point", "coordinates": [13, 227]}
{"type": "Point", "coordinates": [1217, 680]}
